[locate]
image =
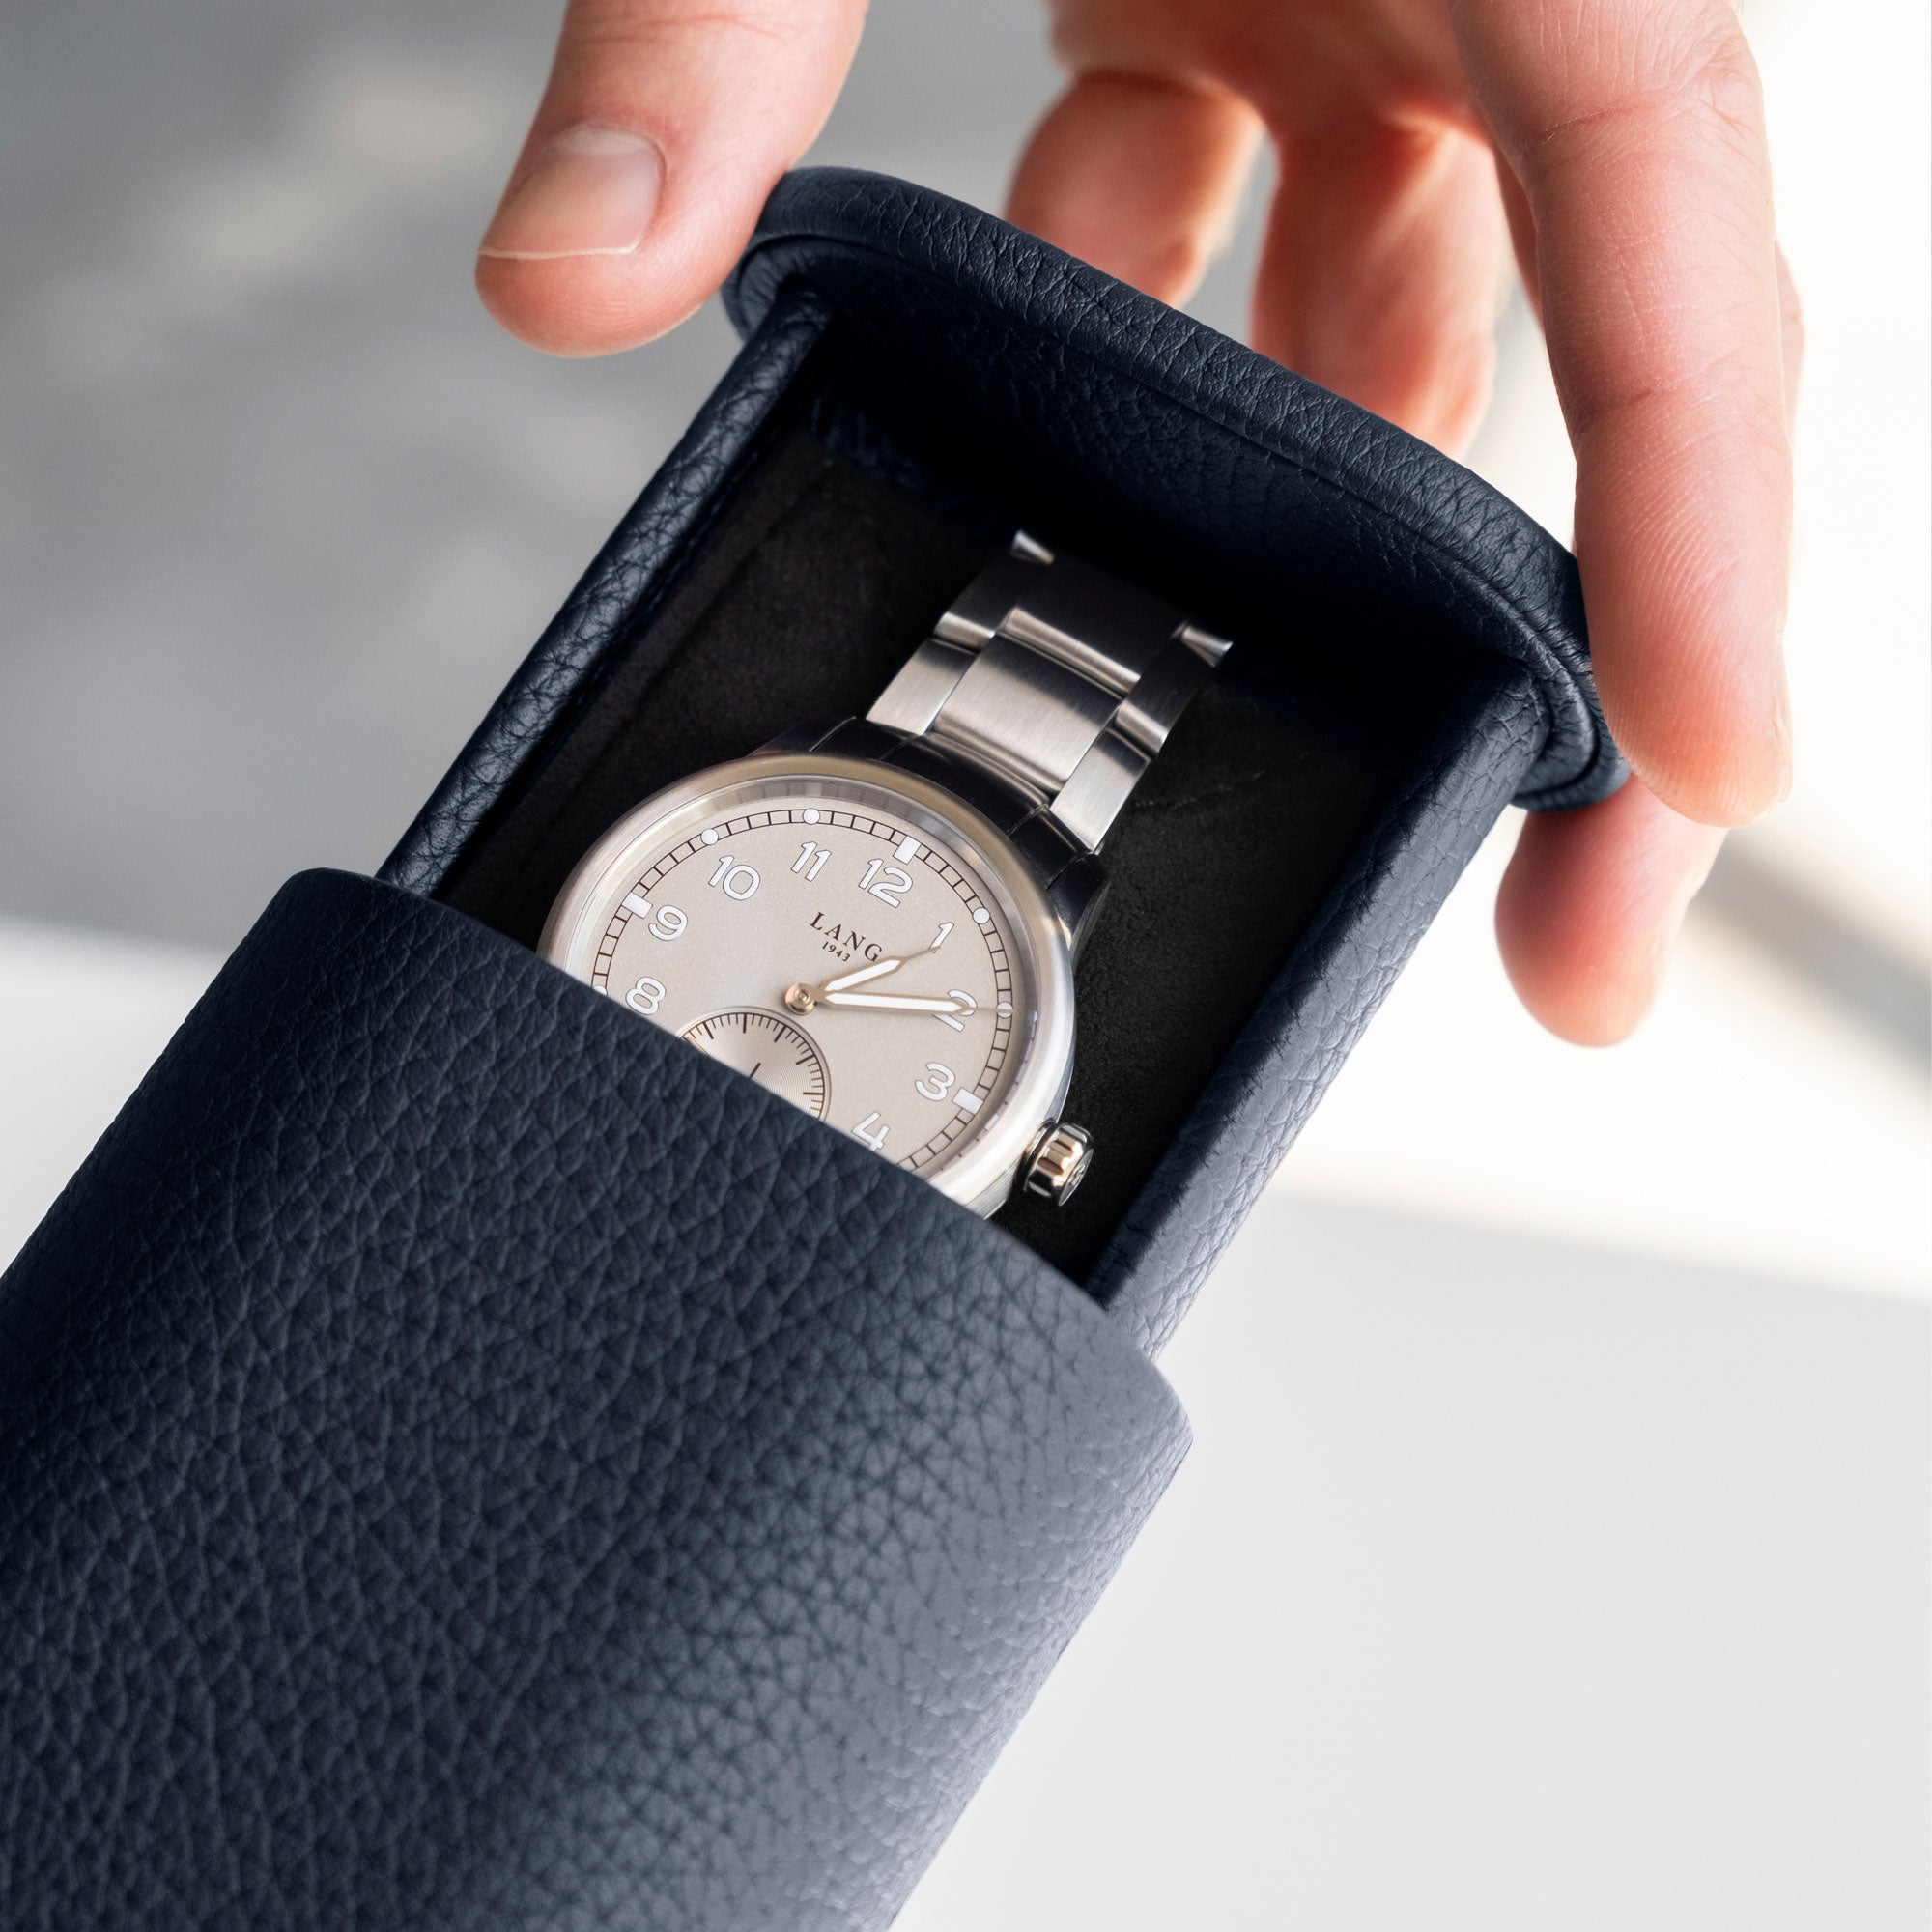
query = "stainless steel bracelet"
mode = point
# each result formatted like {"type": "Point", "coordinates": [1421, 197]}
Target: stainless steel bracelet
{"type": "Point", "coordinates": [1057, 678]}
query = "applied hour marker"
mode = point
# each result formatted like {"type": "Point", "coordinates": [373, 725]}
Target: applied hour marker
{"type": "Point", "coordinates": [907, 850]}
{"type": "Point", "coordinates": [637, 903]}
{"type": "Point", "coordinates": [981, 915]}
{"type": "Point", "coordinates": [710, 836]}
{"type": "Point", "coordinates": [811, 815]}
{"type": "Point", "coordinates": [1002, 1008]}
{"type": "Point", "coordinates": [967, 1103]}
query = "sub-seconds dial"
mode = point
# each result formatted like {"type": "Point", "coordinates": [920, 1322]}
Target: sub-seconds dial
{"type": "Point", "coordinates": [774, 1051]}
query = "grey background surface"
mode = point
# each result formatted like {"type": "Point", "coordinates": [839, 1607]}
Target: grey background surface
{"type": "Point", "coordinates": [1507, 1588]}
{"type": "Point", "coordinates": [279, 505]}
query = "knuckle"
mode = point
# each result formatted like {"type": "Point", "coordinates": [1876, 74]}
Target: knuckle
{"type": "Point", "coordinates": [1720, 88]}
{"type": "Point", "coordinates": [1684, 72]}
{"type": "Point", "coordinates": [629, 25]}
{"type": "Point", "coordinates": [1718, 72]}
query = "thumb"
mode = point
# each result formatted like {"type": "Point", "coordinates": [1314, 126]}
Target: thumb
{"type": "Point", "coordinates": [664, 127]}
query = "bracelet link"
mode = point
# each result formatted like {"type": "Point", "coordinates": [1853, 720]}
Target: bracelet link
{"type": "Point", "coordinates": [1059, 679]}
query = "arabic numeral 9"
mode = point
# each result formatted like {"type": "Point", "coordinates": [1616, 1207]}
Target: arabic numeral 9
{"type": "Point", "coordinates": [667, 923]}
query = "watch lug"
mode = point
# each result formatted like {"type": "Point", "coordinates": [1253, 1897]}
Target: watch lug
{"type": "Point", "coordinates": [798, 738]}
{"type": "Point", "coordinates": [1075, 899]}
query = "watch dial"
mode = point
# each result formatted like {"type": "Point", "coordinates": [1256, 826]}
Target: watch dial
{"type": "Point", "coordinates": [828, 940]}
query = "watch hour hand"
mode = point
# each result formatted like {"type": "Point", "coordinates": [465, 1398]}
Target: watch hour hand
{"type": "Point", "coordinates": [858, 976]}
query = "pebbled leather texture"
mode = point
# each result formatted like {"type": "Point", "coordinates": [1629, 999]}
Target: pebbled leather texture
{"type": "Point", "coordinates": [1283, 481]}
{"type": "Point", "coordinates": [634, 569]}
{"type": "Point", "coordinates": [467, 1461]}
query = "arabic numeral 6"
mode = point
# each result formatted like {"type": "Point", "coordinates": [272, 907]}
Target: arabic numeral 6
{"type": "Point", "coordinates": [645, 997]}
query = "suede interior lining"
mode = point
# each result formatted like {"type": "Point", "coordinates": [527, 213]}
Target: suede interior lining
{"type": "Point", "coordinates": [809, 594]}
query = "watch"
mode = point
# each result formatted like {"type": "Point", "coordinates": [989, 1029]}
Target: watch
{"type": "Point", "coordinates": [878, 920]}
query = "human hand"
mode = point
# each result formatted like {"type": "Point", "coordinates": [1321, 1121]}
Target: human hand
{"type": "Point", "coordinates": [1619, 144]}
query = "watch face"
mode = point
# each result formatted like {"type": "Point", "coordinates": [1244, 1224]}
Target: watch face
{"type": "Point", "coordinates": [854, 940]}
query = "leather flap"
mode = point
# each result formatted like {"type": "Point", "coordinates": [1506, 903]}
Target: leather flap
{"type": "Point", "coordinates": [467, 1460]}
{"type": "Point", "coordinates": [1277, 484]}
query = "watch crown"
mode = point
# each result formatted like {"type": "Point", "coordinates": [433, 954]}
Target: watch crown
{"type": "Point", "coordinates": [1057, 1162]}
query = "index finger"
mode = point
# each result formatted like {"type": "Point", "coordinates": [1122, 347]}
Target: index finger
{"type": "Point", "coordinates": [1635, 129]}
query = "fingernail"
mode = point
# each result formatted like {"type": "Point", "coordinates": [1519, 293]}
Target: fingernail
{"type": "Point", "coordinates": [592, 192]}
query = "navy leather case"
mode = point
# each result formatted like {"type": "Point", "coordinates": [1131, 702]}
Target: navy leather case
{"type": "Point", "coordinates": [466, 1459]}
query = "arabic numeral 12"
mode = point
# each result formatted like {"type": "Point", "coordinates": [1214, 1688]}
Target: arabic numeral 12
{"type": "Point", "coordinates": [890, 883]}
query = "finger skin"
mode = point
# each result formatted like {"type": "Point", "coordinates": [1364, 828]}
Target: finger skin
{"type": "Point", "coordinates": [1142, 178]}
{"type": "Point", "coordinates": [1632, 164]}
{"type": "Point", "coordinates": [1589, 907]}
{"type": "Point", "coordinates": [1636, 133]}
{"type": "Point", "coordinates": [731, 96]}
{"type": "Point", "coordinates": [1592, 899]}
{"type": "Point", "coordinates": [1384, 270]}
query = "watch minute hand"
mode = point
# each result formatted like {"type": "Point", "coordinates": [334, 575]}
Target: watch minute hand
{"type": "Point", "coordinates": [801, 998]}
{"type": "Point", "coordinates": [891, 1003]}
